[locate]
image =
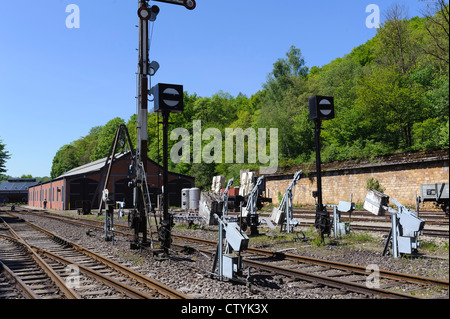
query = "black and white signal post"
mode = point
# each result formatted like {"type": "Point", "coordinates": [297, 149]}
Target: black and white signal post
{"type": "Point", "coordinates": [321, 108]}
{"type": "Point", "coordinates": [168, 98]}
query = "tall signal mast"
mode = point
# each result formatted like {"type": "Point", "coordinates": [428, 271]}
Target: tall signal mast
{"type": "Point", "coordinates": [142, 203]}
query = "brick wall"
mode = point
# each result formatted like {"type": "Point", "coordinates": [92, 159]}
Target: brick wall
{"type": "Point", "coordinates": [400, 175]}
{"type": "Point", "coordinates": [52, 191]}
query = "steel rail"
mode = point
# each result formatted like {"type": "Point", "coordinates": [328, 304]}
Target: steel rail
{"type": "Point", "coordinates": [324, 280]}
{"type": "Point", "coordinates": [426, 232]}
{"type": "Point", "coordinates": [329, 281]}
{"type": "Point", "coordinates": [18, 283]}
{"type": "Point", "coordinates": [337, 265]}
{"type": "Point", "coordinates": [358, 269]}
{"type": "Point", "coordinates": [130, 292]}
{"type": "Point", "coordinates": [67, 291]}
{"type": "Point", "coordinates": [150, 283]}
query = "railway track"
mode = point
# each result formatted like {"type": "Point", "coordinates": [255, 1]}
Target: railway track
{"type": "Point", "coordinates": [61, 269]}
{"type": "Point", "coordinates": [366, 221]}
{"type": "Point", "coordinates": [436, 224]}
{"type": "Point", "coordinates": [431, 218]}
{"type": "Point", "coordinates": [22, 277]}
{"type": "Point", "coordinates": [342, 277]}
{"type": "Point", "coordinates": [442, 233]}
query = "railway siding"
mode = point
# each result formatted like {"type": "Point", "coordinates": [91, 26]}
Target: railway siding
{"type": "Point", "coordinates": [188, 278]}
{"type": "Point", "coordinates": [97, 277]}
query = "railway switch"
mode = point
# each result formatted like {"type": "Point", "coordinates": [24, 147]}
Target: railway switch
{"type": "Point", "coordinates": [250, 213]}
{"type": "Point", "coordinates": [341, 228]}
{"type": "Point", "coordinates": [284, 213]}
{"type": "Point", "coordinates": [229, 261]}
{"type": "Point", "coordinates": [406, 227]}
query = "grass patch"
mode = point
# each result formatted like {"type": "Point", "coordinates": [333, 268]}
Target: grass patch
{"type": "Point", "coordinates": [359, 238]}
{"type": "Point", "coordinates": [271, 239]}
{"type": "Point", "coordinates": [134, 258]}
{"type": "Point", "coordinates": [317, 241]}
{"type": "Point", "coordinates": [433, 247]}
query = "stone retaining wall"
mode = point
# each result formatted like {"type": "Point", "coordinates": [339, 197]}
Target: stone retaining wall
{"type": "Point", "coordinates": [400, 175]}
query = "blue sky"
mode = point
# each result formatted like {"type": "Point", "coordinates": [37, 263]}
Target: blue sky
{"type": "Point", "coordinates": [57, 83]}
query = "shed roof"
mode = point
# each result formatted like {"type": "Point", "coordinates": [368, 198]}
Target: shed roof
{"type": "Point", "coordinates": [90, 167]}
{"type": "Point", "coordinates": [97, 166]}
{"type": "Point", "coordinates": [17, 184]}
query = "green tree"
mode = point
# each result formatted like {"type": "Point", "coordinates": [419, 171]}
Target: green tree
{"type": "Point", "coordinates": [437, 26]}
{"type": "Point", "coordinates": [4, 155]}
{"type": "Point", "coordinates": [398, 46]}
{"type": "Point", "coordinates": [203, 174]}
{"type": "Point", "coordinates": [106, 137]}
{"type": "Point", "coordinates": [340, 79]}
{"type": "Point", "coordinates": [85, 146]}
{"type": "Point", "coordinates": [284, 74]}
{"type": "Point", "coordinates": [65, 159]}
{"type": "Point", "coordinates": [284, 105]}
{"type": "Point", "coordinates": [364, 54]}
{"type": "Point", "coordinates": [391, 104]}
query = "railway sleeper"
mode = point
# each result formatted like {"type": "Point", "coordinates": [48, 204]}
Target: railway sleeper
{"type": "Point", "coordinates": [17, 265]}
{"type": "Point", "coordinates": [10, 294]}
{"type": "Point", "coordinates": [97, 288]}
{"type": "Point", "coordinates": [25, 272]}
{"type": "Point", "coordinates": [46, 290]}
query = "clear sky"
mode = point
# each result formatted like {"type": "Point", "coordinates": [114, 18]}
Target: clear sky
{"type": "Point", "coordinates": [56, 83]}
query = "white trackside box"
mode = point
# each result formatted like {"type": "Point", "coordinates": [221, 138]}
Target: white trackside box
{"type": "Point", "coordinates": [375, 201]}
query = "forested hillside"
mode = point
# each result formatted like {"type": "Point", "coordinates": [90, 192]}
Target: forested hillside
{"type": "Point", "coordinates": [391, 95]}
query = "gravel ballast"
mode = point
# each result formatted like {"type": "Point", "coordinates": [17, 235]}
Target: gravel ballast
{"type": "Point", "coordinates": [190, 274]}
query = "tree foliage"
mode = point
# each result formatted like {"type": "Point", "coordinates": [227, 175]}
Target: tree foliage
{"type": "Point", "coordinates": [4, 155]}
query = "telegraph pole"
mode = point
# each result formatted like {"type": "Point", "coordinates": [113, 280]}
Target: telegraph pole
{"type": "Point", "coordinates": [142, 86]}
{"type": "Point", "coordinates": [142, 130]}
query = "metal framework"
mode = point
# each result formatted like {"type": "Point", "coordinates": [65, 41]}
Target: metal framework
{"type": "Point", "coordinates": [286, 207]}
{"type": "Point", "coordinates": [121, 138]}
{"type": "Point", "coordinates": [341, 228]}
{"type": "Point", "coordinates": [251, 208]}
{"type": "Point", "coordinates": [405, 229]}
{"type": "Point", "coordinates": [229, 261]}
{"type": "Point", "coordinates": [138, 218]}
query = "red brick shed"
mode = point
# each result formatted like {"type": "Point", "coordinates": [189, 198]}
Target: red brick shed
{"type": "Point", "coordinates": [85, 183]}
